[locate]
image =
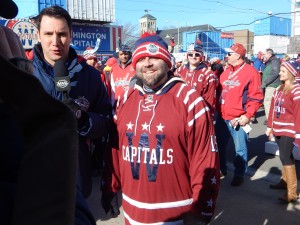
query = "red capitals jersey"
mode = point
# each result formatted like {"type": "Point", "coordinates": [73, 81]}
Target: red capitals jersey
{"type": "Point", "coordinates": [167, 163]}
{"type": "Point", "coordinates": [120, 78]}
{"type": "Point", "coordinates": [203, 80]}
{"type": "Point", "coordinates": [284, 113]}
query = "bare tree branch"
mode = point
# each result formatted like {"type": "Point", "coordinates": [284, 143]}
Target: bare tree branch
{"type": "Point", "coordinates": [130, 33]}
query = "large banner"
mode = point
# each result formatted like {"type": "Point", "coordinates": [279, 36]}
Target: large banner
{"type": "Point", "coordinates": [84, 35]}
{"type": "Point", "coordinates": [26, 31]}
{"type": "Point", "coordinates": [228, 35]}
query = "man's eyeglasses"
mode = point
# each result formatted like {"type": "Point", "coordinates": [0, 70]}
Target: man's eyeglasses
{"type": "Point", "coordinates": [194, 55]}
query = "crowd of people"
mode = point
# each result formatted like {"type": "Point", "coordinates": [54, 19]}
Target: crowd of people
{"type": "Point", "coordinates": [154, 128]}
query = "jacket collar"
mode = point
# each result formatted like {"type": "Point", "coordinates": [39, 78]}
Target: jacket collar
{"type": "Point", "coordinates": [234, 68]}
{"type": "Point", "coordinates": [199, 67]}
{"type": "Point", "coordinates": [73, 63]}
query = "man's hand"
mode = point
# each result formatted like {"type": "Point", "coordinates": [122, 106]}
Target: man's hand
{"type": "Point", "coordinates": [243, 120]}
{"type": "Point", "coordinates": [268, 131]}
{"type": "Point", "coordinates": [73, 106]}
{"type": "Point", "coordinates": [81, 115]}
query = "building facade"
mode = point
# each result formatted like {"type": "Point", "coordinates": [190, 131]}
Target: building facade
{"type": "Point", "coordinates": [246, 38]}
{"type": "Point", "coordinates": [147, 23]}
{"type": "Point", "coordinates": [91, 21]}
{"type": "Point", "coordinates": [273, 32]}
{"type": "Point", "coordinates": [295, 15]}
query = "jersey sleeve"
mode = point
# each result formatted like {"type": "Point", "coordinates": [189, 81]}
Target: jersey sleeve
{"type": "Point", "coordinates": [271, 112]}
{"type": "Point", "coordinates": [111, 175]}
{"type": "Point", "coordinates": [204, 159]}
{"type": "Point", "coordinates": [296, 100]}
{"type": "Point", "coordinates": [209, 91]}
{"type": "Point", "coordinates": [255, 95]}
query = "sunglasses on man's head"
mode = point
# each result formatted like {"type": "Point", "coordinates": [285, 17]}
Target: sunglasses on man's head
{"type": "Point", "coordinates": [194, 55]}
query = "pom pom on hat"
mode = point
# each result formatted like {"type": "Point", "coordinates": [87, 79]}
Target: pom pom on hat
{"type": "Point", "coordinates": [89, 53]}
{"type": "Point", "coordinates": [151, 45]}
{"type": "Point", "coordinates": [292, 66]}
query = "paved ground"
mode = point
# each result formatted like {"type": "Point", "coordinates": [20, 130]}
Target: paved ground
{"type": "Point", "coordinates": [253, 203]}
{"type": "Point", "coordinates": [258, 159]}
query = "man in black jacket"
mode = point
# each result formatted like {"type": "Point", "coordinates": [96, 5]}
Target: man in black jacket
{"type": "Point", "coordinates": [87, 96]}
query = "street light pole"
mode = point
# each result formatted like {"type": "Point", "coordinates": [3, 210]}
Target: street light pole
{"type": "Point", "coordinates": [207, 40]}
{"type": "Point", "coordinates": [178, 36]}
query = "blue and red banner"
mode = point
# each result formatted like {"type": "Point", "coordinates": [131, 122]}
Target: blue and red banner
{"type": "Point", "coordinates": [83, 35]}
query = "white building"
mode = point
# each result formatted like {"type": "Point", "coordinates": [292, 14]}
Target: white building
{"type": "Point", "coordinates": [100, 11]}
{"type": "Point", "coordinates": [147, 23]}
{"type": "Point", "coordinates": [92, 10]}
{"type": "Point", "coordinates": [279, 44]}
{"type": "Point", "coordinates": [295, 15]}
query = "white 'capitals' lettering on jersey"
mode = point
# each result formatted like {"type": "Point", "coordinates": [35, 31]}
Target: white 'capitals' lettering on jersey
{"type": "Point", "coordinates": [137, 154]}
{"type": "Point", "coordinates": [143, 154]}
{"type": "Point", "coordinates": [232, 83]}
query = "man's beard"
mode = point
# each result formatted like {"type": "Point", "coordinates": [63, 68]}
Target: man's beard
{"type": "Point", "coordinates": [155, 80]}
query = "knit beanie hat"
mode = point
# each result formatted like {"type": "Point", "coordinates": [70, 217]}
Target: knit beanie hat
{"type": "Point", "coordinates": [195, 47]}
{"type": "Point", "coordinates": [89, 53]}
{"type": "Point", "coordinates": [124, 48]}
{"type": "Point", "coordinates": [292, 66]}
{"type": "Point", "coordinates": [151, 45]}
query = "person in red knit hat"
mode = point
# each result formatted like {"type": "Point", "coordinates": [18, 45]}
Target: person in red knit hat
{"type": "Point", "coordinates": [165, 163]}
{"type": "Point", "coordinates": [90, 56]}
{"type": "Point", "coordinates": [284, 125]}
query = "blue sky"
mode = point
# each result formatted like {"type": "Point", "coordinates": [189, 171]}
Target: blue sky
{"type": "Point", "coordinates": [220, 14]}
{"type": "Point", "coordinates": [173, 13]}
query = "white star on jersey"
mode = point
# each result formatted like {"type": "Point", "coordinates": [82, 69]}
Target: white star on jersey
{"type": "Point", "coordinates": [160, 127]}
{"type": "Point", "coordinates": [129, 125]}
{"type": "Point", "coordinates": [145, 126]}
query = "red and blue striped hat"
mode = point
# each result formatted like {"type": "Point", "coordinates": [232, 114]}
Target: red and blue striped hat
{"type": "Point", "coordinates": [151, 45]}
{"type": "Point", "coordinates": [292, 66]}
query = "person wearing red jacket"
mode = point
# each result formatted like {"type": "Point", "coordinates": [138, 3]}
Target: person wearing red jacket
{"type": "Point", "coordinates": [198, 76]}
{"type": "Point", "coordinates": [121, 73]}
{"type": "Point", "coordinates": [166, 163]}
{"type": "Point", "coordinates": [241, 97]}
{"type": "Point", "coordinates": [284, 125]}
